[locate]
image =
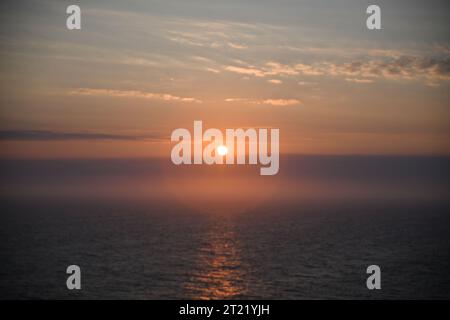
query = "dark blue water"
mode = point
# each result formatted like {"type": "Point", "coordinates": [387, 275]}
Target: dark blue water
{"type": "Point", "coordinates": [154, 248]}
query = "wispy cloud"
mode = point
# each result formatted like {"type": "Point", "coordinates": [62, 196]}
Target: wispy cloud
{"type": "Point", "coordinates": [356, 80]}
{"type": "Point", "coordinates": [401, 68]}
{"type": "Point", "coordinates": [272, 102]}
{"type": "Point", "coordinates": [212, 70]}
{"type": "Point", "coordinates": [279, 69]}
{"type": "Point", "coordinates": [237, 46]}
{"type": "Point", "coordinates": [307, 83]}
{"type": "Point", "coordinates": [247, 71]}
{"type": "Point", "coordinates": [429, 69]}
{"type": "Point", "coordinates": [275, 81]}
{"type": "Point", "coordinates": [132, 94]}
{"type": "Point", "coordinates": [281, 102]}
{"type": "Point", "coordinates": [213, 34]}
{"type": "Point", "coordinates": [269, 69]}
{"type": "Point", "coordinates": [45, 135]}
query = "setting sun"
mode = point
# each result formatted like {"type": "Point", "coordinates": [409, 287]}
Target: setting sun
{"type": "Point", "coordinates": [222, 150]}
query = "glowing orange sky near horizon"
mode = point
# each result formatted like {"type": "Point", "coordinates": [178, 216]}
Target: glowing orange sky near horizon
{"type": "Point", "coordinates": [329, 90]}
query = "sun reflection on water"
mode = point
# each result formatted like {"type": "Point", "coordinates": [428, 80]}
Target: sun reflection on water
{"type": "Point", "coordinates": [220, 273]}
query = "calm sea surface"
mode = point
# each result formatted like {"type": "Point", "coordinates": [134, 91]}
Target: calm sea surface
{"type": "Point", "coordinates": [161, 249]}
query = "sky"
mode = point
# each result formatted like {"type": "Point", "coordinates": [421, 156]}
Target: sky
{"type": "Point", "coordinates": [137, 70]}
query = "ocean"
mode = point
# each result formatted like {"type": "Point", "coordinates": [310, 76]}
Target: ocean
{"type": "Point", "coordinates": [312, 236]}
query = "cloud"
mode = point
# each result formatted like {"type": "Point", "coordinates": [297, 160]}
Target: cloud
{"type": "Point", "coordinates": [272, 102]}
{"type": "Point", "coordinates": [269, 69]}
{"type": "Point", "coordinates": [217, 34]}
{"type": "Point", "coordinates": [246, 71]}
{"type": "Point", "coordinates": [306, 83]}
{"type": "Point", "coordinates": [429, 69]}
{"type": "Point", "coordinates": [275, 81]}
{"type": "Point", "coordinates": [344, 51]}
{"type": "Point", "coordinates": [44, 135]}
{"type": "Point", "coordinates": [404, 67]}
{"type": "Point", "coordinates": [237, 46]}
{"type": "Point", "coordinates": [281, 102]}
{"type": "Point", "coordinates": [212, 70]}
{"type": "Point", "coordinates": [275, 68]}
{"type": "Point", "coordinates": [309, 70]}
{"type": "Point", "coordinates": [186, 41]}
{"type": "Point", "coordinates": [356, 80]}
{"type": "Point", "coordinates": [131, 94]}
{"type": "Point", "coordinates": [236, 100]}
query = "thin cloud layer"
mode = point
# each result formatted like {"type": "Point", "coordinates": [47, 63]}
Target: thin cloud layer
{"type": "Point", "coordinates": [45, 135]}
{"type": "Point", "coordinates": [401, 68]}
{"type": "Point", "coordinates": [275, 81]}
{"type": "Point", "coordinates": [132, 94]}
{"type": "Point", "coordinates": [272, 102]}
{"type": "Point", "coordinates": [430, 69]}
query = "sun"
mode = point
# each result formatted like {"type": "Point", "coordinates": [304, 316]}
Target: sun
{"type": "Point", "coordinates": [222, 150]}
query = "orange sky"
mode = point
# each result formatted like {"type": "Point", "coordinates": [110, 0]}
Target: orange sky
{"type": "Point", "coordinates": [121, 84]}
